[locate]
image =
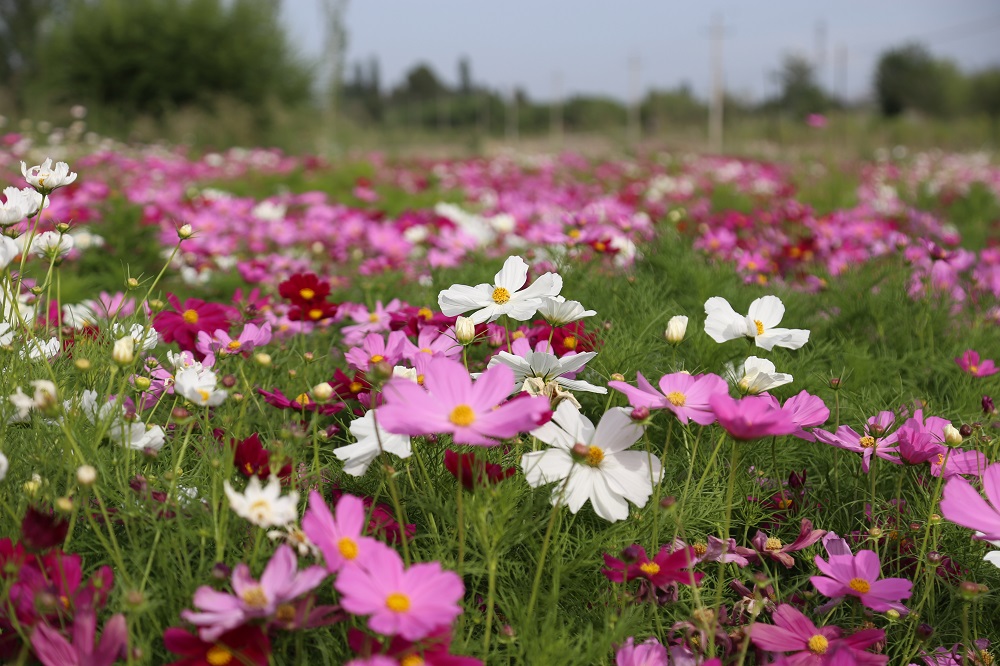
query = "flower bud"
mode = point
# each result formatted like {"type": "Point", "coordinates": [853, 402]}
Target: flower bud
{"type": "Point", "coordinates": [142, 383]}
{"type": "Point", "coordinates": [924, 631]}
{"type": "Point", "coordinates": [835, 383]}
{"type": "Point", "coordinates": [64, 504]}
{"type": "Point", "coordinates": [965, 430]}
{"type": "Point", "coordinates": [952, 436]}
{"type": "Point", "coordinates": [185, 232]}
{"type": "Point", "coordinates": [617, 377]}
{"type": "Point", "coordinates": [465, 330]}
{"type": "Point", "coordinates": [892, 614]}
{"type": "Point", "coordinates": [934, 558]}
{"type": "Point", "coordinates": [262, 359]}
{"type": "Point", "coordinates": [322, 392]}
{"type": "Point", "coordinates": [86, 475]}
{"type": "Point", "coordinates": [309, 357]}
{"type": "Point", "coordinates": [131, 283]}
{"type": "Point", "coordinates": [82, 364]}
{"type": "Point", "coordinates": [124, 350]}
{"type": "Point", "coordinates": [969, 590]}
{"type": "Point", "coordinates": [988, 406]}
{"type": "Point", "coordinates": [676, 328]}
{"type": "Point", "coordinates": [580, 451]}
{"type": "Point", "coordinates": [62, 227]}
{"type": "Point", "coordinates": [640, 413]}
{"type": "Point", "coordinates": [631, 553]}
{"type": "Point", "coordinates": [229, 381]}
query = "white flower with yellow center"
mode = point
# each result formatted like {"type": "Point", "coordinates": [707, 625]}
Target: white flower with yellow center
{"type": "Point", "coordinates": [506, 296]}
{"type": "Point", "coordinates": [47, 177]}
{"type": "Point", "coordinates": [358, 456]}
{"type": "Point", "coordinates": [199, 387]}
{"type": "Point", "coordinates": [588, 463]}
{"type": "Point", "coordinates": [756, 375]}
{"type": "Point", "coordinates": [558, 311]}
{"type": "Point", "coordinates": [545, 366]}
{"type": "Point", "coordinates": [722, 323]}
{"type": "Point", "coordinates": [264, 506]}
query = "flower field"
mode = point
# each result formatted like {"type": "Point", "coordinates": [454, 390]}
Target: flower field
{"type": "Point", "coordinates": [672, 409]}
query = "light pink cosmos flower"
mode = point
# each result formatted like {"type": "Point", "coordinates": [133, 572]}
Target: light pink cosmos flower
{"type": "Point", "coordinates": [432, 342]}
{"type": "Point", "coordinates": [449, 402]}
{"type": "Point", "coordinates": [376, 349]}
{"type": "Point", "coordinates": [971, 363]}
{"type": "Point", "coordinates": [687, 396]}
{"type": "Point", "coordinates": [220, 343]}
{"type": "Point", "coordinates": [410, 603]}
{"type": "Point", "coordinates": [807, 411]}
{"type": "Point", "coordinates": [962, 504]}
{"type": "Point", "coordinates": [53, 649]}
{"type": "Point", "coordinates": [813, 646]}
{"type": "Point", "coordinates": [339, 539]}
{"type": "Point", "coordinates": [859, 576]}
{"type": "Point", "coordinates": [867, 445]}
{"type": "Point", "coordinates": [751, 417]}
{"type": "Point", "coordinates": [280, 583]}
{"type": "Point", "coordinates": [367, 322]}
{"type": "Point", "coordinates": [648, 653]}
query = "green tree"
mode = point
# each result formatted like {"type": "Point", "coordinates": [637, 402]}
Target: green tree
{"type": "Point", "coordinates": [800, 94]}
{"type": "Point", "coordinates": [984, 87]}
{"type": "Point", "coordinates": [153, 56]}
{"type": "Point", "coordinates": [909, 78]}
{"type": "Point", "coordinates": [21, 27]}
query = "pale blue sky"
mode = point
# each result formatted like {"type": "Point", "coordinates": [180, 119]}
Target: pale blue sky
{"type": "Point", "coordinates": [588, 43]}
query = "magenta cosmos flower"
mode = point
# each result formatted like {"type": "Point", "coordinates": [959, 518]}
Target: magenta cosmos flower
{"type": "Point", "coordinates": [449, 402]}
{"type": "Point", "coordinates": [685, 395]}
{"type": "Point", "coordinates": [339, 539]}
{"type": "Point", "coordinates": [792, 632]}
{"type": "Point", "coordinates": [410, 603]}
{"type": "Point", "coordinates": [807, 411]}
{"type": "Point", "coordinates": [53, 649]}
{"type": "Point", "coordinates": [858, 576]}
{"type": "Point", "coordinates": [189, 318]}
{"type": "Point", "coordinates": [972, 364]}
{"type": "Point", "coordinates": [751, 417]}
{"type": "Point", "coordinates": [962, 504]}
{"type": "Point", "coordinates": [280, 583]}
{"type": "Point", "coordinates": [667, 567]}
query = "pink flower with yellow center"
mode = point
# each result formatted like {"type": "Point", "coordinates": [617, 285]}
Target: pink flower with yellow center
{"type": "Point", "coordinates": [860, 575]}
{"type": "Point", "coordinates": [687, 396]}
{"type": "Point", "coordinates": [411, 603]}
{"type": "Point", "coordinates": [339, 539]}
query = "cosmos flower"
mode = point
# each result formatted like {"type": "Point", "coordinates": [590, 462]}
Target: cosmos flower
{"type": "Point", "coordinates": [264, 506]}
{"type": "Point", "coordinates": [506, 296]}
{"type": "Point", "coordinates": [687, 396]}
{"type": "Point", "coordinates": [972, 364]}
{"type": "Point", "coordinates": [860, 575]}
{"type": "Point", "coordinates": [722, 323]}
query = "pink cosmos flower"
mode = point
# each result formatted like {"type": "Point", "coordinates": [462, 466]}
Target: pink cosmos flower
{"type": "Point", "coordinates": [971, 363]}
{"type": "Point", "coordinates": [858, 576]}
{"type": "Point", "coordinates": [667, 567]}
{"type": "Point", "coordinates": [449, 402]}
{"type": "Point", "coordinates": [807, 411]}
{"type": "Point", "coordinates": [340, 540]}
{"type": "Point", "coordinates": [53, 649]}
{"type": "Point", "coordinates": [812, 646]}
{"type": "Point", "coordinates": [431, 342]}
{"type": "Point", "coordinates": [687, 396]}
{"type": "Point", "coordinates": [280, 583]}
{"type": "Point", "coordinates": [751, 417]}
{"type": "Point", "coordinates": [221, 344]}
{"type": "Point", "coordinates": [773, 548]}
{"type": "Point", "coordinates": [410, 603]}
{"type": "Point", "coordinates": [433, 650]}
{"type": "Point", "coordinates": [962, 504]}
{"type": "Point", "coordinates": [375, 349]}
{"type": "Point", "coordinates": [871, 443]}
{"type": "Point", "coordinates": [648, 653]}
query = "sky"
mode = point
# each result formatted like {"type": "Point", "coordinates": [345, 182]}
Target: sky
{"type": "Point", "coordinates": [557, 48]}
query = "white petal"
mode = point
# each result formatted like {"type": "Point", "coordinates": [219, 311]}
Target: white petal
{"type": "Point", "coordinates": [513, 275]}
{"type": "Point", "coordinates": [721, 321]}
{"type": "Point", "coordinates": [616, 431]}
{"type": "Point", "coordinates": [768, 310]}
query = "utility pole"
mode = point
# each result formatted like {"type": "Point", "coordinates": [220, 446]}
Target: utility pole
{"type": "Point", "coordinates": [820, 56]}
{"type": "Point", "coordinates": [556, 110]}
{"type": "Point", "coordinates": [334, 50]}
{"type": "Point", "coordinates": [718, 90]}
{"type": "Point", "coordinates": [840, 69]}
{"type": "Point", "coordinates": [633, 131]}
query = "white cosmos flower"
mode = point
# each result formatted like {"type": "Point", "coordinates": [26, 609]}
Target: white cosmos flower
{"type": "Point", "coordinates": [4, 466]}
{"type": "Point", "coordinates": [199, 387]}
{"type": "Point", "coordinates": [46, 177]}
{"type": "Point", "coordinates": [8, 250]}
{"type": "Point", "coordinates": [558, 311]}
{"type": "Point", "coordinates": [504, 297]}
{"type": "Point", "coordinates": [51, 244]}
{"type": "Point", "coordinates": [136, 435]}
{"type": "Point", "coordinates": [37, 349]}
{"type": "Point", "coordinates": [145, 338]}
{"type": "Point", "coordinates": [78, 315]}
{"type": "Point", "coordinates": [756, 375]}
{"type": "Point", "coordinates": [608, 475]}
{"type": "Point", "coordinates": [357, 457]}
{"type": "Point", "coordinates": [6, 334]}
{"type": "Point", "coordinates": [993, 557]}
{"type": "Point", "coordinates": [264, 507]}
{"type": "Point", "coordinates": [545, 366]}
{"type": "Point", "coordinates": [17, 206]}
{"type": "Point", "coordinates": [723, 323]}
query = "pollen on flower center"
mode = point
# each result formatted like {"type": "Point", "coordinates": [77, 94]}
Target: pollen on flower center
{"type": "Point", "coordinates": [254, 597]}
{"type": "Point", "coordinates": [348, 548]}
{"type": "Point", "coordinates": [650, 568]}
{"type": "Point", "coordinates": [569, 342]}
{"type": "Point", "coordinates": [860, 585]}
{"type": "Point", "coordinates": [412, 660]}
{"type": "Point", "coordinates": [307, 294]}
{"type": "Point", "coordinates": [425, 313]}
{"type": "Point", "coordinates": [760, 326]}
{"type": "Point", "coordinates": [260, 509]}
{"type": "Point", "coordinates": [205, 395]}
{"type": "Point", "coordinates": [377, 358]}
{"type": "Point", "coordinates": [315, 313]}
{"type": "Point", "coordinates": [867, 442]}
{"type": "Point", "coordinates": [500, 295]}
{"type": "Point", "coordinates": [700, 548]}
{"type": "Point", "coordinates": [462, 415]}
{"type": "Point", "coordinates": [234, 345]}
{"type": "Point", "coordinates": [397, 602]}
{"type": "Point", "coordinates": [773, 544]}
{"type": "Point", "coordinates": [218, 655]}
{"type": "Point", "coordinates": [190, 317]}
{"type": "Point", "coordinates": [302, 399]}
{"type": "Point", "coordinates": [285, 613]}
{"type": "Point", "coordinates": [974, 369]}
{"type": "Point", "coordinates": [372, 318]}
{"type": "Point", "coordinates": [818, 644]}
{"type": "Point", "coordinates": [355, 387]}
{"type": "Point", "coordinates": [676, 398]}
{"type": "Point", "coordinates": [594, 456]}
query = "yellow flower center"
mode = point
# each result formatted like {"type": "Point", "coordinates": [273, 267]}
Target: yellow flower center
{"type": "Point", "coordinates": [573, 233]}
{"type": "Point", "coordinates": [426, 350]}
{"type": "Point", "coordinates": [594, 456]}
{"type": "Point", "coordinates": [500, 295]}
{"type": "Point", "coordinates": [190, 317]}
{"type": "Point", "coordinates": [818, 644]}
{"type": "Point", "coordinates": [425, 313]}
{"type": "Point", "coordinates": [397, 602]}
{"type": "Point", "coordinates": [676, 398]}
{"type": "Point", "coordinates": [773, 544]}
{"type": "Point", "coordinates": [784, 503]}
{"type": "Point", "coordinates": [377, 358]}
{"type": "Point", "coordinates": [205, 395]}
{"type": "Point", "coordinates": [867, 442]}
{"type": "Point", "coordinates": [260, 510]}
{"type": "Point", "coordinates": [600, 246]}
{"type": "Point", "coordinates": [420, 380]}
{"type": "Point", "coordinates": [315, 313]}
{"type": "Point", "coordinates": [760, 326]}
{"type": "Point", "coordinates": [700, 548]}
{"type": "Point", "coordinates": [569, 342]}
{"type": "Point", "coordinates": [355, 387]}
{"type": "Point", "coordinates": [234, 345]}
{"type": "Point", "coordinates": [650, 568]}
{"type": "Point", "coordinates": [348, 548]}
{"type": "Point", "coordinates": [307, 294]}
{"type": "Point", "coordinates": [974, 369]}
{"type": "Point", "coordinates": [254, 597]}
{"type": "Point", "coordinates": [302, 399]}
{"type": "Point", "coordinates": [285, 613]}
{"type": "Point", "coordinates": [462, 416]}
{"type": "Point", "coordinates": [860, 585]}
{"type": "Point", "coordinates": [412, 660]}
{"type": "Point", "coordinates": [517, 335]}
{"type": "Point", "coordinates": [372, 318]}
{"type": "Point", "coordinates": [218, 655]}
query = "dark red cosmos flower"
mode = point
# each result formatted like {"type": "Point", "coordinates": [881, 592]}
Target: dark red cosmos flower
{"type": "Point", "coordinates": [349, 388]}
{"type": "Point", "coordinates": [312, 312]}
{"type": "Point", "coordinates": [431, 650]}
{"type": "Point", "coordinates": [244, 645]}
{"type": "Point", "coordinates": [252, 459]}
{"type": "Point", "coordinates": [183, 324]}
{"type": "Point", "coordinates": [42, 529]}
{"type": "Point", "coordinates": [572, 337]}
{"type": "Point", "coordinates": [667, 567]}
{"type": "Point", "coordinates": [304, 290]}
{"type": "Point", "coordinates": [474, 470]}
{"type": "Point", "coordinates": [301, 402]}
{"type": "Point", "coordinates": [413, 319]}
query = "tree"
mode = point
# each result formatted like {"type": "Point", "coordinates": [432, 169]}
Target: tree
{"type": "Point", "coordinates": [910, 78]}
{"type": "Point", "coordinates": [421, 84]}
{"type": "Point", "coordinates": [800, 94]}
{"type": "Point", "coordinates": [464, 76]}
{"type": "Point", "coordinates": [21, 27]}
{"type": "Point", "coordinates": [984, 89]}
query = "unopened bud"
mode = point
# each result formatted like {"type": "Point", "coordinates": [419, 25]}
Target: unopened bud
{"type": "Point", "coordinates": [465, 330]}
{"type": "Point", "coordinates": [180, 413]}
{"type": "Point", "coordinates": [262, 359]}
{"type": "Point", "coordinates": [952, 436]}
{"type": "Point", "coordinates": [131, 283]}
{"type": "Point", "coordinates": [86, 475]}
{"type": "Point", "coordinates": [322, 392]}
{"type": "Point", "coordinates": [62, 227]}
{"type": "Point", "coordinates": [617, 377]}
{"type": "Point", "coordinates": [892, 614]}
{"type": "Point", "coordinates": [969, 590]}
{"type": "Point", "coordinates": [988, 406]}
{"type": "Point", "coordinates": [934, 558]}
{"type": "Point", "coordinates": [142, 383]}
{"type": "Point", "coordinates": [123, 352]}
{"type": "Point", "coordinates": [924, 631]}
{"type": "Point", "coordinates": [835, 383]}
{"type": "Point", "coordinates": [64, 505]}
{"type": "Point", "coordinates": [309, 357]}
{"type": "Point", "coordinates": [965, 430]}
{"type": "Point", "coordinates": [640, 413]}
{"type": "Point", "coordinates": [380, 372]}
{"type": "Point", "coordinates": [875, 532]}
{"type": "Point", "coordinates": [676, 328]}
{"type": "Point", "coordinates": [82, 364]}
{"type": "Point", "coordinates": [668, 502]}
{"type": "Point", "coordinates": [185, 231]}
{"type": "Point", "coordinates": [631, 553]}
{"type": "Point", "coordinates": [229, 381]}
{"type": "Point", "coordinates": [580, 451]}
{"type": "Point", "coordinates": [156, 305]}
